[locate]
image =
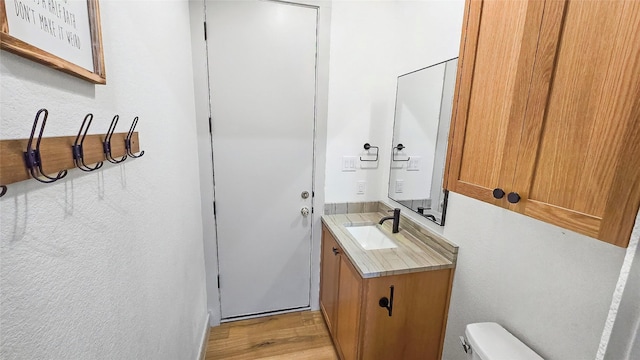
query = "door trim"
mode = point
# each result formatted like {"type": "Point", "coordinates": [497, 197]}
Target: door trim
{"type": "Point", "coordinates": [323, 21]}
{"type": "Point", "coordinates": [313, 164]}
{"type": "Point", "coordinates": [263, 314]}
{"type": "Point", "coordinates": [197, 12]}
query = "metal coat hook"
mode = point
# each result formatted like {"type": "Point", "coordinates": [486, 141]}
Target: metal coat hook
{"type": "Point", "coordinates": [32, 157]}
{"type": "Point", "coordinates": [127, 140]}
{"type": "Point", "coordinates": [107, 142]}
{"type": "Point", "coordinates": [367, 146]}
{"type": "Point", "coordinates": [3, 190]}
{"type": "Point", "coordinates": [76, 148]}
{"type": "Point", "coordinates": [395, 151]}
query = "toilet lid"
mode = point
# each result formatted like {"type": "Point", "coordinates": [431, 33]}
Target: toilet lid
{"type": "Point", "coordinates": [491, 341]}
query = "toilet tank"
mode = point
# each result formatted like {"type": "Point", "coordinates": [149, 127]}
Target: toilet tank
{"type": "Point", "coordinates": [490, 341]}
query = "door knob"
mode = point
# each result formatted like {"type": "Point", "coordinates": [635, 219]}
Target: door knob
{"type": "Point", "coordinates": [513, 197]}
{"type": "Point", "coordinates": [304, 211]}
{"type": "Point", "coordinates": [498, 193]}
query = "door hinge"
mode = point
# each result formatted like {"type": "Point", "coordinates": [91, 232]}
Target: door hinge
{"type": "Point", "coordinates": [205, 31]}
{"type": "Point", "coordinates": [215, 212]}
{"type": "Point", "coordinates": [210, 126]}
{"type": "Point", "coordinates": [218, 281]}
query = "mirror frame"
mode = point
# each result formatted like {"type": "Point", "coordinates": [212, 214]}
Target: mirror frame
{"type": "Point", "coordinates": [444, 192]}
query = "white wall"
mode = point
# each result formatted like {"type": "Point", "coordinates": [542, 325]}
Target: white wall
{"type": "Point", "coordinates": [621, 337]}
{"type": "Point", "coordinates": [205, 156]}
{"type": "Point", "coordinates": [548, 286]}
{"type": "Point", "coordinates": [372, 43]}
{"type": "Point", "coordinates": [108, 265]}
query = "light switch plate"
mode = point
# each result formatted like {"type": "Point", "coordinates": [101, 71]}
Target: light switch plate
{"type": "Point", "coordinates": [349, 163]}
{"type": "Point", "coordinates": [362, 187]}
{"type": "Point", "coordinates": [399, 186]}
{"type": "Point", "coordinates": [414, 163]}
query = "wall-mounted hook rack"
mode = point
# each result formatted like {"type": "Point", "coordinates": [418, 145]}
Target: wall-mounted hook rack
{"type": "Point", "coordinates": [400, 147]}
{"type": "Point", "coordinates": [77, 149]}
{"type": "Point", "coordinates": [127, 140]}
{"type": "Point", "coordinates": [367, 147]}
{"type": "Point", "coordinates": [54, 154]}
{"type": "Point", "coordinates": [32, 157]}
{"type": "Point", "coordinates": [107, 142]}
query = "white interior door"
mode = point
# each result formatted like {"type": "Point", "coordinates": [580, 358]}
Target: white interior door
{"type": "Point", "coordinates": [262, 66]}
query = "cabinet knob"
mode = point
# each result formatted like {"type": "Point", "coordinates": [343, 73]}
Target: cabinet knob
{"type": "Point", "coordinates": [384, 302]}
{"type": "Point", "coordinates": [498, 193]}
{"type": "Point", "coordinates": [335, 251]}
{"type": "Point", "coordinates": [513, 197]}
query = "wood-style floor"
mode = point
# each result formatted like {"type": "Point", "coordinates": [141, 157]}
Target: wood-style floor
{"type": "Point", "coordinates": [299, 335]}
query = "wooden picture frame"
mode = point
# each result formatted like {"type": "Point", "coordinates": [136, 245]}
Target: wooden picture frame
{"type": "Point", "coordinates": [55, 10]}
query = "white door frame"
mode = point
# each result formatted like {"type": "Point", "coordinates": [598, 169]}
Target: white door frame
{"type": "Point", "coordinates": [197, 11]}
{"type": "Point", "coordinates": [281, 270]}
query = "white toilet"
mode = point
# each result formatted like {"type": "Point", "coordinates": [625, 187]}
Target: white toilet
{"type": "Point", "coordinates": [490, 341]}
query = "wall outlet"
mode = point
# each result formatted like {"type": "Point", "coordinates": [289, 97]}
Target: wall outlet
{"type": "Point", "coordinates": [399, 186]}
{"type": "Point", "coordinates": [362, 187]}
{"type": "Point", "coordinates": [349, 163]}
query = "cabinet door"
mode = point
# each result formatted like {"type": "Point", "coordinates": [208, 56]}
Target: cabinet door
{"type": "Point", "coordinates": [497, 54]}
{"type": "Point", "coordinates": [330, 267]}
{"type": "Point", "coordinates": [415, 329]}
{"type": "Point", "coordinates": [349, 300]}
{"type": "Point", "coordinates": [579, 160]}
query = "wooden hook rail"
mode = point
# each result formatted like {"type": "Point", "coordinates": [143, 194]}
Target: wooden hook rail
{"type": "Point", "coordinates": [57, 155]}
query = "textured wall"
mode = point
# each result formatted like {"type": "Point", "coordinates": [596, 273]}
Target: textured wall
{"type": "Point", "coordinates": [372, 42]}
{"type": "Point", "coordinates": [621, 337]}
{"type": "Point", "coordinates": [108, 265]}
{"type": "Point", "coordinates": [550, 287]}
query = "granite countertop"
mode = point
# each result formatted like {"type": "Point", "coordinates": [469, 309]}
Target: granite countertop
{"type": "Point", "coordinates": [418, 248]}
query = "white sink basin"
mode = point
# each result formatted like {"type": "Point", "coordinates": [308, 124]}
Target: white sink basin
{"type": "Point", "coordinates": [371, 238]}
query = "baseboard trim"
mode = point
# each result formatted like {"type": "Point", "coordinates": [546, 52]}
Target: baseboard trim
{"type": "Point", "coordinates": [205, 338]}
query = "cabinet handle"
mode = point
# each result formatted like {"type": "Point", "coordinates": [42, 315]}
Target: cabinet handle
{"type": "Point", "coordinates": [335, 251]}
{"type": "Point", "coordinates": [387, 303]}
{"type": "Point", "coordinates": [513, 197]}
{"type": "Point", "coordinates": [498, 193]}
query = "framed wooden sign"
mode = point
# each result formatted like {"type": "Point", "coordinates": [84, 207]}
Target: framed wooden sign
{"type": "Point", "coordinates": [62, 34]}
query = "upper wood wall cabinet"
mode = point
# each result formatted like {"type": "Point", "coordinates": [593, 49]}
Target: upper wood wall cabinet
{"type": "Point", "coordinates": [547, 110]}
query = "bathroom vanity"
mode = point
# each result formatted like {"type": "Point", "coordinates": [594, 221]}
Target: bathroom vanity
{"type": "Point", "coordinates": [390, 301]}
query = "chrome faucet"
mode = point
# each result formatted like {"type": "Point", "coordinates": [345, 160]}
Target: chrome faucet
{"type": "Point", "coordinates": [395, 218]}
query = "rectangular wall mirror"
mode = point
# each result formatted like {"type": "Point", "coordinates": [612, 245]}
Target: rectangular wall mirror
{"type": "Point", "coordinates": [424, 101]}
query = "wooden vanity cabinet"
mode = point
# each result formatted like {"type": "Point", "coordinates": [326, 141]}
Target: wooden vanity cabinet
{"type": "Point", "coordinates": [362, 329]}
{"type": "Point", "coordinates": [416, 328]}
{"type": "Point", "coordinates": [349, 304]}
{"type": "Point", "coordinates": [330, 267]}
{"type": "Point", "coordinates": [546, 115]}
